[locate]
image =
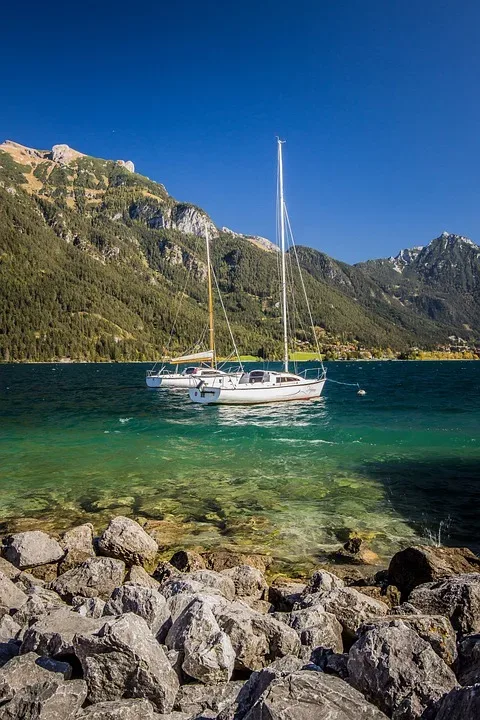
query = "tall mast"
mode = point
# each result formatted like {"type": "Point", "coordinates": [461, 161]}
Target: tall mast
{"type": "Point", "coordinates": [210, 299]}
{"type": "Point", "coordinates": [282, 247]}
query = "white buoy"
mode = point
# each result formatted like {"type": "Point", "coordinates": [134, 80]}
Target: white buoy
{"type": "Point", "coordinates": [362, 392]}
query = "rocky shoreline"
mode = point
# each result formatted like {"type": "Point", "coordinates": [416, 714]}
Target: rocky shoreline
{"type": "Point", "coordinates": [100, 628]}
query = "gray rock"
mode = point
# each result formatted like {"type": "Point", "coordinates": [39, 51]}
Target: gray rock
{"type": "Point", "coordinates": [97, 577]}
{"type": "Point", "coordinates": [437, 630]}
{"type": "Point", "coordinates": [9, 629]}
{"type": "Point", "coordinates": [145, 602]}
{"type": "Point", "coordinates": [137, 709]}
{"type": "Point", "coordinates": [257, 639]}
{"type": "Point", "coordinates": [351, 608]}
{"type": "Point", "coordinates": [194, 699]}
{"type": "Point", "coordinates": [11, 596]}
{"type": "Point", "coordinates": [53, 634]}
{"type": "Point", "coordinates": [40, 602]}
{"type": "Point", "coordinates": [183, 585]}
{"type": "Point", "coordinates": [8, 569]}
{"type": "Point", "coordinates": [315, 627]}
{"type": "Point", "coordinates": [208, 652]}
{"type": "Point", "coordinates": [249, 582]}
{"type": "Point", "coordinates": [77, 544]}
{"type": "Point", "coordinates": [46, 701]}
{"type": "Point", "coordinates": [467, 665]}
{"type": "Point", "coordinates": [330, 662]}
{"type": "Point", "coordinates": [398, 671]}
{"type": "Point", "coordinates": [460, 704]}
{"type": "Point", "coordinates": [126, 540]}
{"type": "Point", "coordinates": [211, 579]}
{"type": "Point", "coordinates": [305, 695]}
{"type": "Point", "coordinates": [89, 607]}
{"type": "Point", "coordinates": [30, 669]}
{"type": "Point", "coordinates": [138, 575]}
{"type": "Point", "coordinates": [124, 660]}
{"type": "Point", "coordinates": [422, 564]}
{"type": "Point", "coordinates": [285, 594]}
{"type": "Point", "coordinates": [458, 598]}
{"type": "Point", "coordinates": [31, 548]}
{"type": "Point", "coordinates": [323, 581]}
{"type": "Point", "coordinates": [28, 582]}
{"type": "Point", "coordinates": [64, 154]}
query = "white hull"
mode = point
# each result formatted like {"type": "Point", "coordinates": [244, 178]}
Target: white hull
{"type": "Point", "coordinates": [230, 392]}
{"type": "Point", "coordinates": [184, 380]}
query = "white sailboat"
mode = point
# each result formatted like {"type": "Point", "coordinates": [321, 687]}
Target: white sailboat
{"type": "Point", "coordinates": [190, 377]}
{"type": "Point", "coordinates": [264, 386]}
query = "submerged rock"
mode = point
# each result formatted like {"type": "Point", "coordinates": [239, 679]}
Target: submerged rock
{"type": "Point", "coordinates": [422, 564]}
{"type": "Point", "coordinates": [31, 548]}
{"type": "Point", "coordinates": [97, 577]}
{"type": "Point", "coordinates": [398, 671]}
{"type": "Point", "coordinates": [126, 540]}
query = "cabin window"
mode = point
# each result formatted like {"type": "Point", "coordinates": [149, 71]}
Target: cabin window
{"type": "Point", "coordinates": [286, 379]}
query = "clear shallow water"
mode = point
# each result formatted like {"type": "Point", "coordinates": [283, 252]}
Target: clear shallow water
{"type": "Point", "coordinates": [84, 442]}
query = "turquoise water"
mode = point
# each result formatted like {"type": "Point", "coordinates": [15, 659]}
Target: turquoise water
{"type": "Point", "coordinates": [84, 442]}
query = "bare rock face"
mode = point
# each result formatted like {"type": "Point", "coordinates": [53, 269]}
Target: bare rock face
{"type": "Point", "coordinates": [124, 660]}
{"type": "Point", "coordinates": [138, 575]}
{"type": "Point", "coordinates": [458, 598]}
{"type": "Point", "coordinates": [97, 577]}
{"type": "Point", "coordinates": [192, 221]}
{"type": "Point", "coordinates": [31, 548]}
{"type": "Point", "coordinates": [461, 704]}
{"type": "Point", "coordinates": [127, 164]}
{"type": "Point", "coordinates": [46, 701]}
{"type": "Point", "coordinates": [11, 596]}
{"type": "Point", "coordinates": [208, 654]}
{"type": "Point", "coordinates": [467, 665]}
{"type": "Point", "coordinates": [422, 564]}
{"type": "Point", "coordinates": [64, 154]}
{"type": "Point", "coordinates": [398, 671]}
{"type": "Point", "coordinates": [249, 582]}
{"type": "Point", "coordinates": [53, 634]}
{"type": "Point", "coordinates": [78, 546]}
{"type": "Point", "coordinates": [305, 695]}
{"type": "Point", "coordinates": [126, 540]}
{"type": "Point", "coordinates": [30, 669]}
{"type": "Point", "coordinates": [351, 608]}
{"type": "Point", "coordinates": [118, 710]}
{"type": "Point", "coordinates": [145, 602]}
{"type": "Point", "coordinates": [437, 630]}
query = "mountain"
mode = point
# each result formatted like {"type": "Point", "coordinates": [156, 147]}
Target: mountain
{"type": "Point", "coordinates": [100, 262]}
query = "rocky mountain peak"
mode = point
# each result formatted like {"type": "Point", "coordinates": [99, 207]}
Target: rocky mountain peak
{"type": "Point", "coordinates": [63, 154]}
{"type": "Point", "coordinates": [257, 240]}
{"type": "Point", "coordinates": [127, 164]}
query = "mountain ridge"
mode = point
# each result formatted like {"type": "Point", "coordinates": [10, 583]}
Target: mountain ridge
{"type": "Point", "coordinates": [62, 210]}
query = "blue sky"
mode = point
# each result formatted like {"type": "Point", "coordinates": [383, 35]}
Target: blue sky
{"type": "Point", "coordinates": [378, 102]}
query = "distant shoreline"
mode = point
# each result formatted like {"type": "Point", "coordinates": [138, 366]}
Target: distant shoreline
{"type": "Point", "coordinates": [167, 362]}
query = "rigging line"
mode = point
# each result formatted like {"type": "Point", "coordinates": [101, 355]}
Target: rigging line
{"type": "Point", "coordinates": [304, 289]}
{"type": "Point", "coordinates": [337, 382]}
{"type": "Point", "coordinates": [227, 321]}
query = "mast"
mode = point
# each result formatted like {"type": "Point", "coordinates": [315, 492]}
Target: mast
{"type": "Point", "coordinates": [282, 248]}
{"type": "Point", "coordinates": [210, 299]}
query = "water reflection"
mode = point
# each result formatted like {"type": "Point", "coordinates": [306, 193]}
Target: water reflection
{"type": "Point", "coordinates": [291, 414]}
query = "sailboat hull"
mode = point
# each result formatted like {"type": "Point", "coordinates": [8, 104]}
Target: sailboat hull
{"type": "Point", "coordinates": [223, 394]}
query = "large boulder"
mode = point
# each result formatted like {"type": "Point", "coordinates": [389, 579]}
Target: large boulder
{"type": "Point", "coordinates": [30, 669]}
{"type": "Point", "coordinates": [97, 577]}
{"type": "Point", "coordinates": [437, 630]}
{"type": "Point", "coordinates": [460, 704]}
{"type": "Point", "coordinates": [351, 608]}
{"type": "Point", "coordinates": [53, 634]}
{"type": "Point", "coordinates": [133, 709]}
{"type": "Point", "coordinates": [211, 580]}
{"type": "Point", "coordinates": [257, 639]}
{"type": "Point", "coordinates": [40, 602]}
{"type": "Point", "coordinates": [88, 607]}
{"type": "Point", "coordinates": [77, 544]}
{"type": "Point", "coordinates": [124, 660]}
{"type": "Point", "coordinates": [421, 564]}
{"type": "Point", "coordinates": [46, 701]}
{"type": "Point", "coordinates": [194, 698]}
{"type": "Point", "coordinates": [249, 582]}
{"type": "Point", "coordinates": [142, 601]}
{"type": "Point", "coordinates": [398, 671]}
{"type": "Point", "coordinates": [126, 540]}
{"type": "Point", "coordinates": [458, 598]}
{"type": "Point", "coordinates": [138, 575]}
{"type": "Point", "coordinates": [315, 628]}
{"type": "Point", "coordinates": [9, 629]}
{"type": "Point", "coordinates": [207, 652]}
{"type": "Point", "coordinates": [11, 596]}
{"type": "Point", "coordinates": [305, 695]}
{"type": "Point", "coordinates": [31, 548]}
{"type": "Point", "coordinates": [467, 665]}
{"type": "Point", "coordinates": [8, 569]}
{"type": "Point", "coordinates": [187, 561]}
{"type": "Point", "coordinates": [322, 581]}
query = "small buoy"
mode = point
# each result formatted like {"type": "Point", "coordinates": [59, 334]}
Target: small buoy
{"type": "Point", "coordinates": [362, 392]}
